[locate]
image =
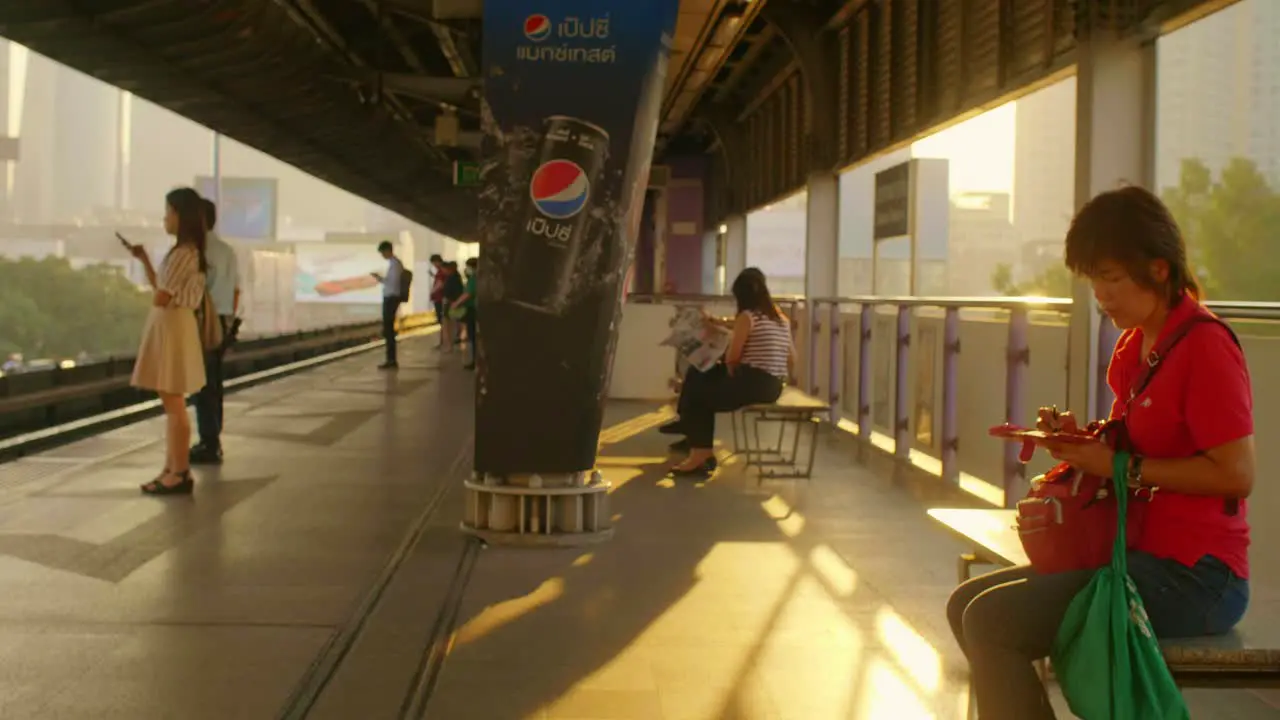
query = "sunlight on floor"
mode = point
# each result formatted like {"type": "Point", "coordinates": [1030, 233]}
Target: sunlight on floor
{"type": "Point", "coordinates": [495, 616]}
{"type": "Point", "coordinates": [772, 630]}
{"type": "Point", "coordinates": [910, 649]}
{"type": "Point", "coordinates": [972, 484]}
{"type": "Point", "coordinates": [887, 695]}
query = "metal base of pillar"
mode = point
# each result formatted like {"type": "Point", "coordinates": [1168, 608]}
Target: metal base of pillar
{"type": "Point", "coordinates": [539, 511]}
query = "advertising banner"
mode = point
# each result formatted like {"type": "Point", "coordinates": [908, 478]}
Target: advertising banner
{"type": "Point", "coordinates": [338, 274]}
{"type": "Point", "coordinates": [572, 92]}
{"type": "Point", "coordinates": [246, 206]}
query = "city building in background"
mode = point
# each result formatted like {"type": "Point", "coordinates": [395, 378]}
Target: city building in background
{"type": "Point", "coordinates": [83, 160]}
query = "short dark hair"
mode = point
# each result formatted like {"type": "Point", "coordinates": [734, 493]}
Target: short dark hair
{"type": "Point", "coordinates": [437, 259]}
{"type": "Point", "coordinates": [1132, 227]}
{"type": "Point", "coordinates": [385, 246]}
{"type": "Point", "coordinates": [210, 213]}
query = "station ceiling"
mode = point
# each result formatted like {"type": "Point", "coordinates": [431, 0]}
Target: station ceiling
{"type": "Point", "coordinates": [352, 91]}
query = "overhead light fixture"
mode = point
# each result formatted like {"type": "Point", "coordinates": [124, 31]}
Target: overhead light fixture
{"type": "Point", "coordinates": [723, 228]}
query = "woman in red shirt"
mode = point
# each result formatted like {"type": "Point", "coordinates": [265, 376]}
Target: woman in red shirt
{"type": "Point", "coordinates": [1191, 431]}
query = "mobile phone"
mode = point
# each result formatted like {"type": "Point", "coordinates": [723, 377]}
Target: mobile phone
{"type": "Point", "coordinates": [127, 245]}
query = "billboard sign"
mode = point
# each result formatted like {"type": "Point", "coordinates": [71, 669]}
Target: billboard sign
{"type": "Point", "coordinates": [247, 207]}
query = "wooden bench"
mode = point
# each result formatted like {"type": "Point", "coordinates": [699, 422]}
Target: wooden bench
{"type": "Point", "coordinates": [793, 409]}
{"type": "Point", "coordinates": [1247, 657]}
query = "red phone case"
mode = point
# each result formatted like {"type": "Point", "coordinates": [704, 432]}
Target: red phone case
{"type": "Point", "coordinates": [1028, 438]}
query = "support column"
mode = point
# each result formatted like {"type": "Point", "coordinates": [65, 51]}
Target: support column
{"type": "Point", "coordinates": [822, 236]}
{"type": "Point", "coordinates": [735, 248]}
{"type": "Point", "coordinates": [571, 102]}
{"type": "Point", "coordinates": [1115, 140]}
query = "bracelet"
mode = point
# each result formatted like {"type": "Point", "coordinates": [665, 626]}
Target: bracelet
{"type": "Point", "coordinates": [1133, 477]}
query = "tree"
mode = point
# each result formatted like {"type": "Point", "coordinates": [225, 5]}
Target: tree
{"type": "Point", "coordinates": [1230, 224]}
{"type": "Point", "coordinates": [1053, 281]}
{"type": "Point", "coordinates": [49, 309]}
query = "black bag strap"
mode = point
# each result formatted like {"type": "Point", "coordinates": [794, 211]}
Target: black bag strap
{"type": "Point", "coordinates": [1155, 358]}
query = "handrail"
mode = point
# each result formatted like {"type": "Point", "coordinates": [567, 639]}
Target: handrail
{"type": "Point", "coordinates": [1226, 309]}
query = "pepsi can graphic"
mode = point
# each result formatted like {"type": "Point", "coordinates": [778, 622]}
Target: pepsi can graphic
{"type": "Point", "coordinates": [556, 224]}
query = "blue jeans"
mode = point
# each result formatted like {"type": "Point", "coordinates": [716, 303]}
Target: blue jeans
{"type": "Point", "coordinates": [1006, 620]}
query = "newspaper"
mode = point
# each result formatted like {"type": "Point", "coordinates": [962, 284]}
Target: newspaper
{"type": "Point", "coordinates": [700, 343]}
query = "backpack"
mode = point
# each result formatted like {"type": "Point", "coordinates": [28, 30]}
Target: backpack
{"type": "Point", "coordinates": [406, 280]}
{"type": "Point", "coordinates": [1068, 519]}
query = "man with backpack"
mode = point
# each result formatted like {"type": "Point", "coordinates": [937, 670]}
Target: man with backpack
{"type": "Point", "coordinates": [395, 290]}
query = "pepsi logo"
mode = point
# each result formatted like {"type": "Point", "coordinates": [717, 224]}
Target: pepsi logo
{"type": "Point", "coordinates": [559, 189]}
{"type": "Point", "coordinates": [537, 27]}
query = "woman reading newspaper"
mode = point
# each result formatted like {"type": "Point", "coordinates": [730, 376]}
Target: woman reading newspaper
{"type": "Point", "coordinates": [755, 367]}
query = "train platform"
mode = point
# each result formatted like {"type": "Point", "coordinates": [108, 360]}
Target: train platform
{"type": "Point", "coordinates": [320, 573]}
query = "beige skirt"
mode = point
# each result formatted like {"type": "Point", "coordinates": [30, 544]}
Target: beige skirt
{"type": "Point", "coordinates": [170, 357]}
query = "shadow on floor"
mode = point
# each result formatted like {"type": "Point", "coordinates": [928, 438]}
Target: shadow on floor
{"type": "Point", "coordinates": [714, 600]}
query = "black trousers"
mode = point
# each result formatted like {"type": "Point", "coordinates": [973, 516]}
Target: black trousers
{"type": "Point", "coordinates": [390, 305]}
{"type": "Point", "coordinates": [706, 393]}
{"type": "Point", "coordinates": [471, 332]}
{"type": "Point", "coordinates": [208, 401]}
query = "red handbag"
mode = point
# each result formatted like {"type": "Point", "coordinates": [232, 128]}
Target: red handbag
{"type": "Point", "coordinates": [1068, 519]}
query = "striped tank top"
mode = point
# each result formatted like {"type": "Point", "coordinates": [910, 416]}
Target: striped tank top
{"type": "Point", "coordinates": [768, 345]}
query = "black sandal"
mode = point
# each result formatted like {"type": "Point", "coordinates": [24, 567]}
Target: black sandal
{"type": "Point", "coordinates": [182, 487]}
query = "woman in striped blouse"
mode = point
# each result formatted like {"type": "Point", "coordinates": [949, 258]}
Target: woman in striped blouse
{"type": "Point", "coordinates": [171, 357]}
{"type": "Point", "coordinates": [755, 368]}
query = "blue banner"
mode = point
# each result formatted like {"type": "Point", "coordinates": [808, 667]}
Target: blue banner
{"type": "Point", "coordinates": [572, 93]}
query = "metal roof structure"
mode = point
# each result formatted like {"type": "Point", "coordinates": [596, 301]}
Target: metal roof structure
{"type": "Point", "coordinates": [381, 97]}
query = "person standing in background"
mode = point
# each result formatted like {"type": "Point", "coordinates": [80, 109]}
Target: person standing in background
{"type": "Point", "coordinates": [391, 298]}
{"type": "Point", "coordinates": [437, 293]}
{"type": "Point", "coordinates": [223, 284]}
{"type": "Point", "coordinates": [468, 303]}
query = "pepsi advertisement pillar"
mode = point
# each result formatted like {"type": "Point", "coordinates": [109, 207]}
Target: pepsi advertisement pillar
{"type": "Point", "coordinates": [572, 93]}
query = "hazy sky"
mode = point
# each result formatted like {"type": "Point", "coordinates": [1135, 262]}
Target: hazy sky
{"type": "Point", "coordinates": [980, 150]}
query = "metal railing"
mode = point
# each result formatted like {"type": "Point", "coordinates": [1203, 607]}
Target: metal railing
{"type": "Point", "coordinates": [44, 398]}
{"type": "Point", "coordinates": [823, 320]}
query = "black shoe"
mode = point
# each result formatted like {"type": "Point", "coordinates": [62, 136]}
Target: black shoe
{"type": "Point", "coordinates": [680, 445]}
{"type": "Point", "coordinates": [205, 455]}
{"type": "Point", "coordinates": [184, 486]}
{"type": "Point", "coordinates": [706, 468]}
{"type": "Point", "coordinates": [389, 366]}
{"type": "Point", "coordinates": [675, 427]}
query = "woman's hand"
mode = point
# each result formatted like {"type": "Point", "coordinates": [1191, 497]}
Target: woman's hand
{"type": "Point", "coordinates": [1049, 420]}
{"type": "Point", "coordinates": [140, 253]}
{"type": "Point", "coordinates": [161, 298]}
{"type": "Point", "coordinates": [1093, 457]}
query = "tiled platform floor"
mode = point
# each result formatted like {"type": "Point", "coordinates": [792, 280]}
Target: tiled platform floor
{"type": "Point", "coordinates": [724, 601]}
{"type": "Point", "coordinates": [715, 601]}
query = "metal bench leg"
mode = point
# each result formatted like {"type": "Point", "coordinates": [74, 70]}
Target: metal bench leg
{"type": "Point", "coordinates": [965, 566]}
{"type": "Point", "coordinates": [795, 442]}
{"type": "Point", "coordinates": [782, 430]}
{"type": "Point", "coordinates": [733, 422]}
{"type": "Point", "coordinates": [813, 446]}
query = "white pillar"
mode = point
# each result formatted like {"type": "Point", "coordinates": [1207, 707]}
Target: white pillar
{"type": "Point", "coordinates": [735, 247]}
{"type": "Point", "coordinates": [1115, 141]}
{"type": "Point", "coordinates": [822, 236]}
{"type": "Point", "coordinates": [710, 262]}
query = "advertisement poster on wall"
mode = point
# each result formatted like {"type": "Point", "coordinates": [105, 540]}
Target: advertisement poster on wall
{"type": "Point", "coordinates": [332, 273]}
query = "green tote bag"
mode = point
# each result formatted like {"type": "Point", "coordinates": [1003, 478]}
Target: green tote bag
{"type": "Point", "coordinates": [1105, 656]}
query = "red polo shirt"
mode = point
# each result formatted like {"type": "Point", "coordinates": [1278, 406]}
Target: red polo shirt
{"type": "Point", "coordinates": [1199, 398]}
